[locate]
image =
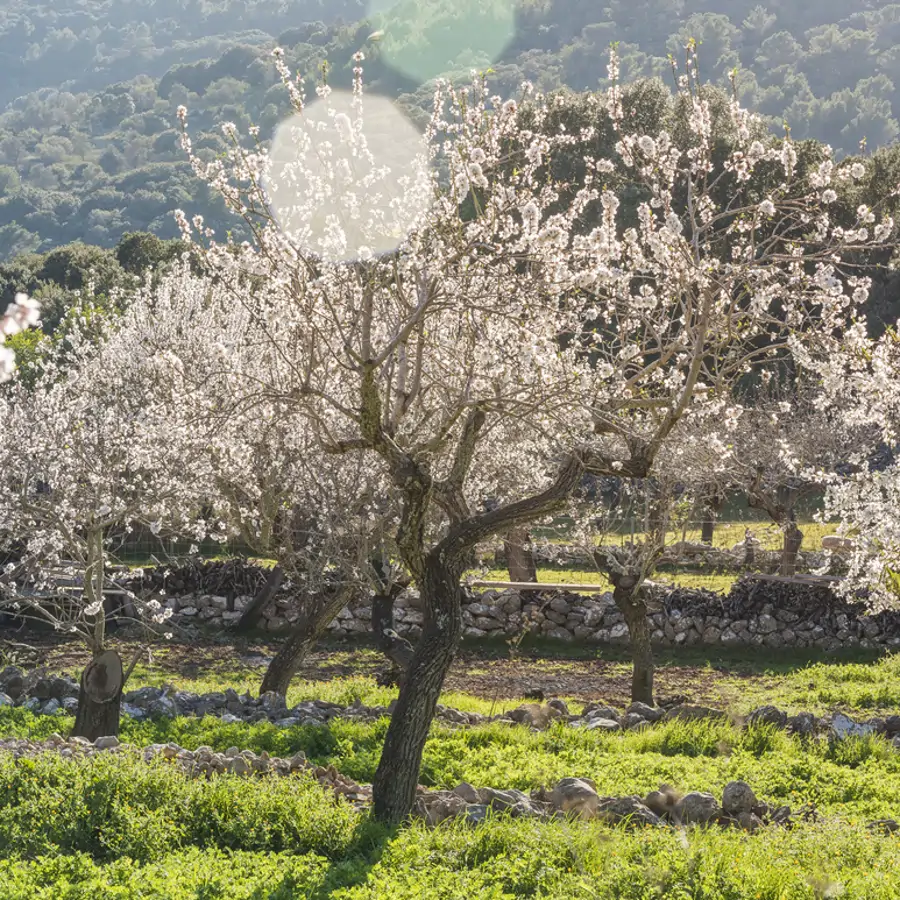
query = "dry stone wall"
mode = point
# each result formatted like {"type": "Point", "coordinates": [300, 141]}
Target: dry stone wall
{"type": "Point", "coordinates": [753, 614]}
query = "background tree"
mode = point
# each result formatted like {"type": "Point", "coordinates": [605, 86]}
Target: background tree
{"type": "Point", "coordinates": [83, 454]}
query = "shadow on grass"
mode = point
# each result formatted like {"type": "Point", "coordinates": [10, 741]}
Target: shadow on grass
{"type": "Point", "coordinates": [370, 840]}
{"type": "Point", "coordinates": [744, 660]}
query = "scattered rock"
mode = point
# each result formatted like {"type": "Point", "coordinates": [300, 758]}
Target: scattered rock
{"type": "Point", "coordinates": [768, 715]}
{"type": "Point", "coordinates": [576, 796]}
{"type": "Point", "coordinates": [804, 724]}
{"type": "Point", "coordinates": [697, 808]}
{"type": "Point", "coordinates": [738, 797]}
{"type": "Point", "coordinates": [686, 713]}
{"type": "Point", "coordinates": [844, 727]}
{"type": "Point", "coordinates": [626, 810]}
{"type": "Point", "coordinates": [649, 713]}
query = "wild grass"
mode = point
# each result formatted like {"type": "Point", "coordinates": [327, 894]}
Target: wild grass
{"type": "Point", "coordinates": [502, 859]}
{"type": "Point", "coordinates": [569, 575]}
{"type": "Point", "coordinates": [857, 777]}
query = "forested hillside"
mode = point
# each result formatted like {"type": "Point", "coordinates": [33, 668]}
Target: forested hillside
{"type": "Point", "coordinates": [89, 150]}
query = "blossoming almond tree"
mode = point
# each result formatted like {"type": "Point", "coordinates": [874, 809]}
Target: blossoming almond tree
{"type": "Point", "coordinates": [860, 380]}
{"type": "Point", "coordinates": [83, 456]}
{"type": "Point", "coordinates": [785, 447]}
{"type": "Point", "coordinates": [506, 347]}
{"type": "Point", "coordinates": [265, 476]}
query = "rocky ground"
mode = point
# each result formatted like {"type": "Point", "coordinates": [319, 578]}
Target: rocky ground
{"type": "Point", "coordinates": [569, 798]}
{"type": "Point", "coordinates": [46, 694]}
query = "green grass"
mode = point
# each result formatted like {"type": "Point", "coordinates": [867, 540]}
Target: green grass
{"type": "Point", "coordinates": [112, 806]}
{"type": "Point", "coordinates": [117, 828]}
{"type": "Point", "coordinates": [571, 575]}
{"type": "Point", "coordinates": [500, 860]}
{"type": "Point", "coordinates": [735, 679]}
{"type": "Point", "coordinates": [859, 778]}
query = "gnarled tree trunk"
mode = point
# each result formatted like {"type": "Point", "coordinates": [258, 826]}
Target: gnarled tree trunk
{"type": "Point", "coordinates": [395, 782]}
{"type": "Point", "coordinates": [710, 506]}
{"type": "Point", "coordinates": [315, 617]}
{"type": "Point", "coordinates": [252, 614]}
{"type": "Point", "coordinates": [100, 697]}
{"type": "Point", "coordinates": [519, 558]}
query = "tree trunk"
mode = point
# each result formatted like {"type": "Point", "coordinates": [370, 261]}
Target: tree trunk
{"type": "Point", "coordinates": [100, 697]}
{"type": "Point", "coordinates": [793, 538]}
{"type": "Point", "coordinates": [519, 559]}
{"type": "Point", "coordinates": [252, 614]}
{"type": "Point", "coordinates": [396, 780]}
{"type": "Point", "coordinates": [634, 611]}
{"type": "Point", "coordinates": [315, 617]}
{"type": "Point", "coordinates": [711, 504]}
{"type": "Point", "coordinates": [398, 650]}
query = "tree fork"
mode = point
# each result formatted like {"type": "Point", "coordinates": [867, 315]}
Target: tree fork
{"type": "Point", "coordinates": [253, 613]}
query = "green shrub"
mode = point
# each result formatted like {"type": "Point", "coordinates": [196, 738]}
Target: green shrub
{"type": "Point", "coordinates": [190, 875]}
{"type": "Point", "coordinates": [112, 806]}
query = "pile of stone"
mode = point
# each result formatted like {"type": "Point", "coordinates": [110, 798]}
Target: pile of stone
{"type": "Point", "coordinates": [570, 798]}
{"type": "Point", "coordinates": [228, 578]}
{"type": "Point", "coordinates": [204, 762]}
{"type": "Point", "coordinates": [578, 798]}
{"type": "Point", "coordinates": [754, 613]}
{"type": "Point", "coordinates": [600, 717]}
{"type": "Point", "coordinates": [47, 694]}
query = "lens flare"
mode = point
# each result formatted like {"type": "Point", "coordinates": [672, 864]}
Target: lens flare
{"type": "Point", "coordinates": [348, 177]}
{"type": "Point", "coordinates": [427, 40]}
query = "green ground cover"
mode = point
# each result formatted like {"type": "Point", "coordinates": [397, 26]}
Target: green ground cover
{"type": "Point", "coordinates": [119, 828]}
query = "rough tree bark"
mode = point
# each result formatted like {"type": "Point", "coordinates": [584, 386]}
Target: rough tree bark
{"type": "Point", "coordinates": [100, 697]}
{"type": "Point", "coordinates": [395, 782]}
{"type": "Point", "coordinates": [438, 574]}
{"type": "Point", "coordinates": [519, 558]}
{"type": "Point", "coordinates": [711, 503]}
{"type": "Point", "coordinates": [634, 611]}
{"type": "Point", "coordinates": [252, 614]}
{"type": "Point", "coordinates": [315, 617]}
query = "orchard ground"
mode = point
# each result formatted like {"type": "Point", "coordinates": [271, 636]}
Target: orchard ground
{"type": "Point", "coordinates": [117, 828]}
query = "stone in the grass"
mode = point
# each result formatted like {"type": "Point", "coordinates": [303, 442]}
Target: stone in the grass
{"type": "Point", "coordinates": [892, 725]}
{"type": "Point", "coordinates": [467, 792]}
{"type": "Point", "coordinates": [697, 808]}
{"type": "Point", "coordinates": [106, 743]}
{"type": "Point", "coordinates": [803, 724]}
{"type": "Point", "coordinates": [663, 801]}
{"type": "Point", "coordinates": [768, 715]}
{"type": "Point", "coordinates": [844, 727]}
{"type": "Point", "coordinates": [575, 796]}
{"type": "Point", "coordinates": [601, 724]}
{"type": "Point", "coordinates": [595, 711]}
{"type": "Point", "coordinates": [738, 797]}
{"type": "Point", "coordinates": [748, 821]}
{"type": "Point", "coordinates": [686, 713]}
{"type": "Point", "coordinates": [650, 713]}
{"type": "Point", "coordinates": [626, 810]}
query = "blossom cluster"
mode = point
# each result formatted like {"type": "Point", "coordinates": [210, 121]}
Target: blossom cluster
{"type": "Point", "coordinates": [23, 313]}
